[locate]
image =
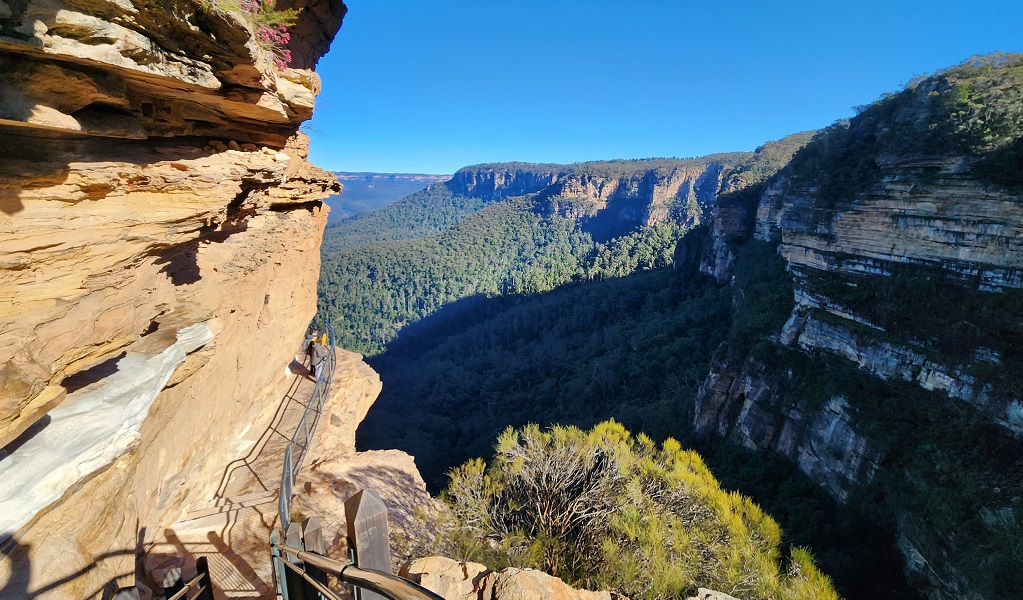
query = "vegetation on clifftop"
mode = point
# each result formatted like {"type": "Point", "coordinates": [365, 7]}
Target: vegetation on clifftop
{"type": "Point", "coordinates": [974, 109]}
{"type": "Point", "coordinates": [270, 24]}
{"type": "Point", "coordinates": [607, 510]}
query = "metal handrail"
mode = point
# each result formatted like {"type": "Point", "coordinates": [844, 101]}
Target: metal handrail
{"type": "Point", "coordinates": [300, 439]}
{"type": "Point", "coordinates": [188, 586]}
{"type": "Point", "coordinates": [385, 584]}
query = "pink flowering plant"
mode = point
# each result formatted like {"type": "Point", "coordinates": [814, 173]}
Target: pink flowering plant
{"type": "Point", "coordinates": [275, 38]}
{"type": "Point", "coordinates": [271, 24]}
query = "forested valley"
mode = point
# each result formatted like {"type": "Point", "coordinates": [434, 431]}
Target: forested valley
{"type": "Point", "coordinates": [484, 312]}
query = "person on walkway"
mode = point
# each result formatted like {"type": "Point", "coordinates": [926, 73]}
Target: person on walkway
{"type": "Point", "coordinates": [307, 346]}
{"type": "Point", "coordinates": [319, 358]}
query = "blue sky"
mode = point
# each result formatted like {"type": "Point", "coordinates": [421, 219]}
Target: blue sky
{"type": "Point", "coordinates": [414, 86]}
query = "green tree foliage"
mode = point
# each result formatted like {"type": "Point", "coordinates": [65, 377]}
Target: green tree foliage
{"type": "Point", "coordinates": [974, 109]}
{"type": "Point", "coordinates": [634, 348]}
{"type": "Point", "coordinates": [373, 290]}
{"type": "Point", "coordinates": [764, 163]}
{"type": "Point", "coordinates": [608, 510]}
{"type": "Point", "coordinates": [419, 214]}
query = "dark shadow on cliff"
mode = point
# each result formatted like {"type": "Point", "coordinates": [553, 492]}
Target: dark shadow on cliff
{"type": "Point", "coordinates": [20, 583]}
{"type": "Point", "coordinates": [45, 153]}
{"type": "Point", "coordinates": [32, 431]}
{"type": "Point", "coordinates": [93, 374]}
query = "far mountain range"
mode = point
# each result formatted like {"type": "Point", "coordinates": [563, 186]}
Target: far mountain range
{"type": "Point", "coordinates": [370, 191]}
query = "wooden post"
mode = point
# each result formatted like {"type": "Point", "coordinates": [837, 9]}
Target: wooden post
{"type": "Point", "coordinates": [172, 583]}
{"type": "Point", "coordinates": [296, 585]}
{"type": "Point", "coordinates": [202, 567]}
{"type": "Point", "coordinates": [279, 570]}
{"type": "Point", "coordinates": [366, 517]}
{"type": "Point", "coordinates": [312, 537]}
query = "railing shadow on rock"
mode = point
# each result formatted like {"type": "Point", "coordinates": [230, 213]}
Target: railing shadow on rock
{"type": "Point", "coordinates": [299, 442]}
{"type": "Point", "coordinates": [298, 554]}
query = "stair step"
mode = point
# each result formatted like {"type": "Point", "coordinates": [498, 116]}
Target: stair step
{"type": "Point", "coordinates": [225, 505]}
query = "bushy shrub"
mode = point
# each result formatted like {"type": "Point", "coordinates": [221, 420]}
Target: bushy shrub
{"type": "Point", "coordinates": [608, 510]}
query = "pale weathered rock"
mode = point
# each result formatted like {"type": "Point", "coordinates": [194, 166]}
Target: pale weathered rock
{"type": "Point", "coordinates": [449, 578]}
{"type": "Point", "coordinates": [472, 581]}
{"type": "Point", "coordinates": [752, 408]}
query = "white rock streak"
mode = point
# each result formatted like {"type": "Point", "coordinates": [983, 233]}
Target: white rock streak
{"type": "Point", "coordinates": [91, 428]}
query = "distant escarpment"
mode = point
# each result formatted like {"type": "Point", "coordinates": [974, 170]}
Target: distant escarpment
{"type": "Point", "coordinates": [516, 228]}
{"type": "Point", "coordinates": [618, 194]}
{"type": "Point", "coordinates": [160, 250]}
{"type": "Point", "coordinates": [895, 364]}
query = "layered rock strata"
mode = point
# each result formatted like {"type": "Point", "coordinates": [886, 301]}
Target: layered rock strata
{"type": "Point", "coordinates": [641, 194]}
{"type": "Point", "coordinates": [159, 261]}
{"type": "Point", "coordinates": [927, 228]}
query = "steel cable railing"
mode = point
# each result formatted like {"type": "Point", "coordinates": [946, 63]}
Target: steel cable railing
{"type": "Point", "coordinates": [298, 445]}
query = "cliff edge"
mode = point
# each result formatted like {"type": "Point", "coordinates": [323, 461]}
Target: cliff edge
{"type": "Point", "coordinates": [159, 258]}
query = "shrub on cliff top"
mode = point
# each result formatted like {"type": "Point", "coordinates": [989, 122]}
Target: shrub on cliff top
{"type": "Point", "coordinates": [608, 510]}
{"type": "Point", "coordinates": [973, 109]}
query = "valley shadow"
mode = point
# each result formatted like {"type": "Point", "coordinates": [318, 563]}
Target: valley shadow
{"type": "Point", "coordinates": [635, 349]}
{"type": "Point", "coordinates": [576, 355]}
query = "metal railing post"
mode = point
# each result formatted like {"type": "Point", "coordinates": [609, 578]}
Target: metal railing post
{"type": "Point", "coordinates": [366, 518]}
{"type": "Point", "coordinates": [277, 564]}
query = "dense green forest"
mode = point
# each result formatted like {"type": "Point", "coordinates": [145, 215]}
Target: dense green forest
{"type": "Point", "coordinates": [507, 315]}
{"type": "Point", "coordinates": [384, 270]}
{"type": "Point", "coordinates": [635, 349]}
{"type": "Point", "coordinates": [505, 248]}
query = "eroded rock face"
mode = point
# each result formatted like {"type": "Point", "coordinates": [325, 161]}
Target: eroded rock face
{"type": "Point", "coordinates": [160, 234]}
{"type": "Point", "coordinates": [754, 408]}
{"type": "Point", "coordinates": [927, 221]}
{"type": "Point", "coordinates": [156, 69]}
{"type": "Point", "coordinates": [643, 196]}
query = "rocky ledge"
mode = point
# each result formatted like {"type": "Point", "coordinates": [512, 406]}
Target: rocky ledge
{"type": "Point", "coordinates": [160, 233]}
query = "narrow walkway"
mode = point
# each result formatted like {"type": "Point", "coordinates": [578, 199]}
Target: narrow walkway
{"type": "Point", "coordinates": [233, 528]}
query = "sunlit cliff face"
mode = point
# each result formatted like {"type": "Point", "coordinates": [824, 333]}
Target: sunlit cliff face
{"type": "Point", "coordinates": [160, 253]}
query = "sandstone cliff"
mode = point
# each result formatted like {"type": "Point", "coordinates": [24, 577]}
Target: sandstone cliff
{"type": "Point", "coordinates": [903, 246]}
{"type": "Point", "coordinates": [611, 196]}
{"type": "Point", "coordinates": [159, 261]}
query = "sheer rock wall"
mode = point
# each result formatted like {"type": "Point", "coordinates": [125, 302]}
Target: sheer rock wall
{"type": "Point", "coordinates": [159, 252]}
{"type": "Point", "coordinates": [926, 219]}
